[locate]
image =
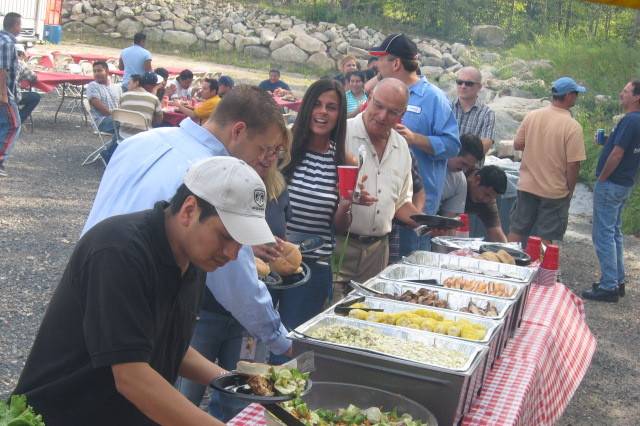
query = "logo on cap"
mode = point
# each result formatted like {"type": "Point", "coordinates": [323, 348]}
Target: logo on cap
{"type": "Point", "coordinates": [259, 197]}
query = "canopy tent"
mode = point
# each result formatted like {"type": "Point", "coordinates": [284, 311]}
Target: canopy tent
{"type": "Point", "coordinates": [624, 3]}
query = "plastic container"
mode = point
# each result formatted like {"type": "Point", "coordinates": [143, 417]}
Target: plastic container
{"type": "Point", "coordinates": [533, 248]}
{"type": "Point", "coordinates": [53, 33]}
{"type": "Point", "coordinates": [463, 231]}
{"type": "Point", "coordinates": [347, 179]}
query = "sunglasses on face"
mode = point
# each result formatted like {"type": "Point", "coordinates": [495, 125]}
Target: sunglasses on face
{"type": "Point", "coordinates": [465, 82]}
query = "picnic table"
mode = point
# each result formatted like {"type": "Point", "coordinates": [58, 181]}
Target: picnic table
{"type": "Point", "coordinates": [172, 117]}
{"type": "Point", "coordinates": [537, 374]}
{"type": "Point", "coordinates": [48, 81]}
{"type": "Point", "coordinates": [91, 57]}
{"type": "Point", "coordinates": [292, 105]}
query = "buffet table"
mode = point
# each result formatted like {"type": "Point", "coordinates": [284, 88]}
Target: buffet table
{"type": "Point", "coordinates": [538, 372]}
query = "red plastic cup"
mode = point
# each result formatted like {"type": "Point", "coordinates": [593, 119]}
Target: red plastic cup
{"type": "Point", "coordinates": [347, 179]}
{"type": "Point", "coordinates": [551, 258]}
{"type": "Point", "coordinates": [533, 248]}
{"type": "Point", "coordinates": [465, 223]}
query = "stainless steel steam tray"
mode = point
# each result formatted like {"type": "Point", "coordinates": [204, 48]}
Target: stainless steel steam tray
{"type": "Point", "coordinates": [418, 340]}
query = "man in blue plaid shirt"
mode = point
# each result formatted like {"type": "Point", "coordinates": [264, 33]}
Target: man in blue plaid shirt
{"type": "Point", "coordinates": [9, 116]}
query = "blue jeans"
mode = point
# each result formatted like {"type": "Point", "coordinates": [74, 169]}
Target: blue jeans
{"type": "Point", "coordinates": [608, 202]}
{"type": "Point", "coordinates": [410, 241]}
{"type": "Point", "coordinates": [300, 304]}
{"type": "Point", "coordinates": [216, 337]}
{"type": "Point", "coordinates": [108, 126]}
{"type": "Point", "coordinates": [9, 128]}
{"type": "Point", "coordinates": [28, 103]}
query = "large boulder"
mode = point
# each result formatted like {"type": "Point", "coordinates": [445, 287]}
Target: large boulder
{"type": "Point", "coordinates": [260, 52]}
{"type": "Point", "coordinates": [179, 38]}
{"type": "Point", "coordinates": [76, 29]}
{"type": "Point", "coordinates": [129, 27]}
{"type": "Point", "coordinates": [266, 36]}
{"type": "Point", "coordinates": [429, 51]}
{"type": "Point", "coordinates": [432, 61]}
{"type": "Point", "coordinates": [357, 52]}
{"type": "Point", "coordinates": [361, 44]}
{"type": "Point", "coordinates": [215, 35]}
{"type": "Point", "coordinates": [153, 15]}
{"type": "Point", "coordinates": [225, 46]}
{"type": "Point", "coordinates": [290, 53]}
{"type": "Point", "coordinates": [516, 107]}
{"type": "Point", "coordinates": [432, 73]}
{"type": "Point", "coordinates": [280, 41]}
{"type": "Point", "coordinates": [93, 20]}
{"type": "Point", "coordinates": [182, 25]}
{"type": "Point", "coordinates": [240, 42]}
{"type": "Point", "coordinates": [308, 43]}
{"type": "Point", "coordinates": [488, 35]}
{"type": "Point", "coordinates": [321, 61]}
{"type": "Point", "coordinates": [124, 12]}
{"type": "Point", "coordinates": [154, 35]}
{"type": "Point", "coordinates": [505, 126]}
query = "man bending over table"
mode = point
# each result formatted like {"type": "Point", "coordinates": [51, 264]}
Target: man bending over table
{"type": "Point", "coordinates": [116, 332]}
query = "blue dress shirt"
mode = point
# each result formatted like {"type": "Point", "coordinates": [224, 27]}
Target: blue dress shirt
{"type": "Point", "coordinates": [149, 167]}
{"type": "Point", "coordinates": [429, 113]}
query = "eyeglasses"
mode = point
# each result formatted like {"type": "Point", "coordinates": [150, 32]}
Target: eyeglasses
{"type": "Point", "coordinates": [465, 82]}
{"type": "Point", "coordinates": [278, 151]}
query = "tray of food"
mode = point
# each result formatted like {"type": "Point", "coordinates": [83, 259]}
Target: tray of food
{"type": "Point", "coordinates": [405, 344]}
{"type": "Point", "coordinates": [470, 265]}
{"type": "Point", "coordinates": [471, 283]}
{"type": "Point", "coordinates": [272, 386]}
{"type": "Point", "coordinates": [440, 297]}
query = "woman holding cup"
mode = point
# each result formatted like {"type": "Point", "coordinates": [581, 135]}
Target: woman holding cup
{"type": "Point", "coordinates": [316, 208]}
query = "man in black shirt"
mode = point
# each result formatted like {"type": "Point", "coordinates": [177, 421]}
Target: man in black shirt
{"type": "Point", "coordinates": [116, 332]}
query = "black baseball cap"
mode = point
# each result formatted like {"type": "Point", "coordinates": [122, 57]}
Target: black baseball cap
{"type": "Point", "coordinates": [397, 45]}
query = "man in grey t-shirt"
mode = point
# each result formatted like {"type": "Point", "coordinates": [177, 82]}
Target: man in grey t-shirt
{"type": "Point", "coordinates": [454, 194]}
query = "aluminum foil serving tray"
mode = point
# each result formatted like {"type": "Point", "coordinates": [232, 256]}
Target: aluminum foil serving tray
{"type": "Point", "coordinates": [470, 265]}
{"type": "Point", "coordinates": [470, 350]}
{"type": "Point", "coordinates": [456, 299]}
{"type": "Point", "coordinates": [411, 273]}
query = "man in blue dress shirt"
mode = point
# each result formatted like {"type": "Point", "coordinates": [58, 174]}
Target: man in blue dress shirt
{"type": "Point", "coordinates": [150, 166]}
{"type": "Point", "coordinates": [428, 125]}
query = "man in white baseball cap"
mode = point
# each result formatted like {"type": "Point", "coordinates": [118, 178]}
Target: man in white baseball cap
{"type": "Point", "coordinates": [116, 333]}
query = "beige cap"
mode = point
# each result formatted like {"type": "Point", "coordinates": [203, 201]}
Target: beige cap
{"type": "Point", "coordinates": [237, 193]}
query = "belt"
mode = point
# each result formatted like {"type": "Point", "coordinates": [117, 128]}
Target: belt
{"type": "Point", "coordinates": [367, 239]}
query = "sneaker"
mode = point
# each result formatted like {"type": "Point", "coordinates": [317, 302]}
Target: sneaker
{"type": "Point", "coordinates": [601, 295]}
{"type": "Point", "coordinates": [621, 290]}
{"type": "Point", "coordinates": [3, 171]}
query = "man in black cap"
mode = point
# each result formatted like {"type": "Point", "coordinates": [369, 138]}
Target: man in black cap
{"type": "Point", "coordinates": [428, 125]}
{"type": "Point", "coordinates": [225, 84]}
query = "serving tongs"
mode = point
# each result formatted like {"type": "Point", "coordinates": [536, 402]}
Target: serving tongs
{"type": "Point", "coordinates": [345, 307]}
{"type": "Point", "coordinates": [359, 288]}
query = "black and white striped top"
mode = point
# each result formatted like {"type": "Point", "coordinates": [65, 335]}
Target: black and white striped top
{"type": "Point", "coordinates": [313, 196]}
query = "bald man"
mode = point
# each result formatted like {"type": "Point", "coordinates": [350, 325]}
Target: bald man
{"type": "Point", "coordinates": [387, 168]}
{"type": "Point", "coordinates": [473, 116]}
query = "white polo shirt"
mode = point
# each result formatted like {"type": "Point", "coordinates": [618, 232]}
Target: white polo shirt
{"type": "Point", "coordinates": [389, 179]}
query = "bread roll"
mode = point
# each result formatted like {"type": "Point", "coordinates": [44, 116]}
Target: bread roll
{"type": "Point", "coordinates": [289, 261]}
{"type": "Point", "coordinates": [505, 257]}
{"type": "Point", "coordinates": [262, 268]}
{"type": "Point", "coordinates": [491, 256]}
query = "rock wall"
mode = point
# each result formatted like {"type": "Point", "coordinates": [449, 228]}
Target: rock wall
{"type": "Point", "coordinates": [246, 30]}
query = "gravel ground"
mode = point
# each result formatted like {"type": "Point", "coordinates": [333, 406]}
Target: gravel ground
{"type": "Point", "coordinates": [46, 198]}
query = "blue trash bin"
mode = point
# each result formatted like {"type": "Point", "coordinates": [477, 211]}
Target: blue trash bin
{"type": "Point", "coordinates": [53, 33]}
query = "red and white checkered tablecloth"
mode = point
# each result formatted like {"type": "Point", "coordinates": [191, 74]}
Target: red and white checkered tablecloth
{"type": "Point", "coordinates": [536, 375]}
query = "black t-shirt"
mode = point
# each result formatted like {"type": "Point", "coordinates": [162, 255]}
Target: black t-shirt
{"type": "Point", "coordinates": [122, 299]}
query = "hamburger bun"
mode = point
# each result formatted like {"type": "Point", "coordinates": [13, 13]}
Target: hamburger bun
{"type": "Point", "coordinates": [505, 257]}
{"type": "Point", "coordinates": [289, 261]}
{"type": "Point", "coordinates": [491, 256]}
{"type": "Point", "coordinates": [262, 268]}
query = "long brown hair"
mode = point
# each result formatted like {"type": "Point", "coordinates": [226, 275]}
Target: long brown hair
{"type": "Point", "coordinates": [302, 126]}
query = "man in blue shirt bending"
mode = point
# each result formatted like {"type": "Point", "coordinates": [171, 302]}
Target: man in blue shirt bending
{"type": "Point", "coordinates": [617, 172]}
{"type": "Point", "coordinates": [135, 59]}
{"type": "Point", "coordinates": [429, 125]}
{"type": "Point", "coordinates": [149, 167]}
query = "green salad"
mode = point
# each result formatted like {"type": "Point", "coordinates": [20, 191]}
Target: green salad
{"type": "Point", "coordinates": [18, 413]}
{"type": "Point", "coordinates": [351, 415]}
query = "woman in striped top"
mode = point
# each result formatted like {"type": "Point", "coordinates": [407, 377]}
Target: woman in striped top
{"type": "Point", "coordinates": [318, 148]}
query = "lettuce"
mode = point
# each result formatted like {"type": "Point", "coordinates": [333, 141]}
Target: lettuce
{"type": "Point", "coordinates": [18, 413]}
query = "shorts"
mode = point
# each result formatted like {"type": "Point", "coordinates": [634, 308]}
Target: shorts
{"type": "Point", "coordinates": [548, 216]}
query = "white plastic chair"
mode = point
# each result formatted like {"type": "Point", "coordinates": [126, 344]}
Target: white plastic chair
{"type": "Point", "coordinates": [103, 137]}
{"type": "Point", "coordinates": [128, 123]}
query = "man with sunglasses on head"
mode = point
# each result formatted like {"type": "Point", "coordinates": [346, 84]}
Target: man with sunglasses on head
{"type": "Point", "coordinates": [428, 125]}
{"type": "Point", "coordinates": [473, 116]}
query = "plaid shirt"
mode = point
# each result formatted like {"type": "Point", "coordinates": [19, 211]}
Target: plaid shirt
{"type": "Point", "coordinates": [479, 120]}
{"type": "Point", "coordinates": [9, 62]}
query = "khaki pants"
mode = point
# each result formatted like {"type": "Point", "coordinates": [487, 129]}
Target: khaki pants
{"type": "Point", "coordinates": [362, 261]}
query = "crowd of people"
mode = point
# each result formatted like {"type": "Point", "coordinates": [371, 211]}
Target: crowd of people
{"type": "Point", "coordinates": [163, 281]}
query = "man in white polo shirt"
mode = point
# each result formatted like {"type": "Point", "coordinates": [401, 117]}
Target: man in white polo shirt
{"type": "Point", "coordinates": [387, 166]}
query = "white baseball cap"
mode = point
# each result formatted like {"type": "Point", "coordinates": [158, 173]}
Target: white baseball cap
{"type": "Point", "coordinates": [237, 193]}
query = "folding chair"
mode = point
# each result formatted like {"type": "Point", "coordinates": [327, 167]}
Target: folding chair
{"type": "Point", "coordinates": [86, 67]}
{"type": "Point", "coordinates": [95, 155]}
{"type": "Point", "coordinates": [61, 61]}
{"type": "Point", "coordinates": [128, 123]}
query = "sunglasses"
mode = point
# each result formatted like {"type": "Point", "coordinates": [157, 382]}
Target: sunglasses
{"type": "Point", "coordinates": [465, 82]}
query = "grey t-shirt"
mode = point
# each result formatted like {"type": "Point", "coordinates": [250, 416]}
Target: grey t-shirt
{"type": "Point", "coordinates": [454, 194]}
